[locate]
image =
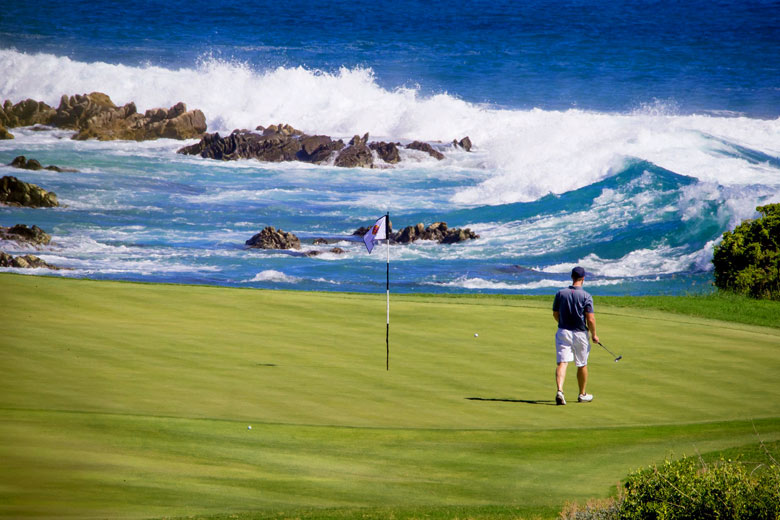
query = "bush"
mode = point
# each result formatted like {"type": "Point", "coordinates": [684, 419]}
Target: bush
{"type": "Point", "coordinates": [747, 261]}
{"type": "Point", "coordinates": [692, 489]}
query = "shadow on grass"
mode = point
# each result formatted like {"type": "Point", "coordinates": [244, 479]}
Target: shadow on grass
{"type": "Point", "coordinates": [548, 402]}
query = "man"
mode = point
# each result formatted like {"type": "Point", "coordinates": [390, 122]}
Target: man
{"type": "Point", "coordinates": [573, 310]}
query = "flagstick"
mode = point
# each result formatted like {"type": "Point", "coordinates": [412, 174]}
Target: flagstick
{"type": "Point", "coordinates": [387, 333]}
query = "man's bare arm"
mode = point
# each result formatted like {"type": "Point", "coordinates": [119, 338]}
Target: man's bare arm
{"type": "Point", "coordinates": [591, 319]}
{"type": "Point", "coordinates": [557, 316]}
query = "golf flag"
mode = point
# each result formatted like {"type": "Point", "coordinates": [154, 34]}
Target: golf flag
{"type": "Point", "coordinates": [377, 232]}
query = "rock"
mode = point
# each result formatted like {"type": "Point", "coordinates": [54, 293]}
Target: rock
{"type": "Point", "coordinates": [320, 242]}
{"type": "Point", "coordinates": [32, 164]}
{"type": "Point", "coordinates": [356, 155]}
{"type": "Point", "coordinates": [270, 238]}
{"type": "Point", "coordinates": [318, 148]}
{"type": "Point", "coordinates": [334, 250]}
{"type": "Point", "coordinates": [464, 143]}
{"type": "Point", "coordinates": [5, 134]}
{"type": "Point", "coordinates": [388, 152]}
{"type": "Point", "coordinates": [21, 233]}
{"type": "Point", "coordinates": [95, 116]}
{"type": "Point", "coordinates": [24, 262]}
{"type": "Point", "coordinates": [425, 147]}
{"type": "Point", "coordinates": [14, 192]}
{"type": "Point", "coordinates": [25, 113]}
{"type": "Point", "coordinates": [271, 147]}
{"type": "Point", "coordinates": [437, 231]}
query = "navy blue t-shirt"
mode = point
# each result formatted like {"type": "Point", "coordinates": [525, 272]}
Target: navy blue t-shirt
{"type": "Point", "coordinates": [572, 303]}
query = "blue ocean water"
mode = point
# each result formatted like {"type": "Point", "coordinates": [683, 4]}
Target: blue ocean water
{"type": "Point", "coordinates": [623, 136]}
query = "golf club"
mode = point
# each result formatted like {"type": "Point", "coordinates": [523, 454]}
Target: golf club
{"type": "Point", "coordinates": [605, 348]}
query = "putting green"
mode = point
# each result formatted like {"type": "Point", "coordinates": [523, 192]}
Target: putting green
{"type": "Point", "coordinates": [133, 400]}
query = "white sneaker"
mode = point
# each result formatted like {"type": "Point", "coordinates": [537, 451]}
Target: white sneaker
{"type": "Point", "coordinates": [585, 398]}
{"type": "Point", "coordinates": [559, 399]}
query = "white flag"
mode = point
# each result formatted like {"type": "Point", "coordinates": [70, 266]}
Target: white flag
{"type": "Point", "coordinates": [376, 233]}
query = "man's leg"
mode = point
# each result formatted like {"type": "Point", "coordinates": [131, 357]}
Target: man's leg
{"type": "Point", "coordinates": [560, 374]}
{"type": "Point", "coordinates": [582, 378]}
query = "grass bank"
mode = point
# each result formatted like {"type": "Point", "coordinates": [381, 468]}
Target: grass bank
{"type": "Point", "coordinates": [134, 401]}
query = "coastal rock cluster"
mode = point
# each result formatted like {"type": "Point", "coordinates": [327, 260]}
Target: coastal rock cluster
{"type": "Point", "coordinates": [14, 192]}
{"type": "Point", "coordinates": [23, 163]}
{"type": "Point", "coordinates": [95, 116]}
{"type": "Point", "coordinates": [271, 238]}
{"type": "Point", "coordinates": [438, 231]}
{"type": "Point", "coordinates": [282, 142]}
{"type": "Point", "coordinates": [24, 262]}
{"type": "Point", "coordinates": [22, 234]}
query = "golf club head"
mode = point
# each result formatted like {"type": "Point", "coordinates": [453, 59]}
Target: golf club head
{"type": "Point", "coordinates": [618, 358]}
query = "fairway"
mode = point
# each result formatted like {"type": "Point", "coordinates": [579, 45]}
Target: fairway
{"type": "Point", "coordinates": [124, 400]}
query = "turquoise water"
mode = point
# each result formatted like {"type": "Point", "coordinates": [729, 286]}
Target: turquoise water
{"type": "Point", "coordinates": [622, 137]}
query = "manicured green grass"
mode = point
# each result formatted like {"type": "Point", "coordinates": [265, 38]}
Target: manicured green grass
{"type": "Point", "coordinates": [133, 401]}
{"type": "Point", "coordinates": [716, 305]}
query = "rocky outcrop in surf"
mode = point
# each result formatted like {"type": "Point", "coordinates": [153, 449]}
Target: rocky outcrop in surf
{"type": "Point", "coordinates": [24, 163]}
{"type": "Point", "coordinates": [95, 116]}
{"type": "Point", "coordinates": [25, 113]}
{"type": "Point", "coordinates": [356, 155]}
{"type": "Point", "coordinates": [5, 134]}
{"type": "Point", "coordinates": [438, 231]}
{"type": "Point", "coordinates": [427, 148]}
{"type": "Point", "coordinates": [14, 192]}
{"type": "Point", "coordinates": [279, 143]}
{"type": "Point", "coordinates": [25, 262]}
{"type": "Point", "coordinates": [271, 238]}
{"type": "Point", "coordinates": [22, 234]}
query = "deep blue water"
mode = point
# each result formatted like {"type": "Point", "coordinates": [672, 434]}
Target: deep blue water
{"type": "Point", "coordinates": [624, 136]}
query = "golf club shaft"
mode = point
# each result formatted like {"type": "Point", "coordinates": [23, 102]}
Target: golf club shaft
{"type": "Point", "coordinates": [605, 348]}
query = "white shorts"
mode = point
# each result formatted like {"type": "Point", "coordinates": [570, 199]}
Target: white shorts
{"type": "Point", "coordinates": [572, 345]}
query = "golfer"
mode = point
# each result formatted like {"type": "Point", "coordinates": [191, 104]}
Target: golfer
{"type": "Point", "coordinates": [573, 310]}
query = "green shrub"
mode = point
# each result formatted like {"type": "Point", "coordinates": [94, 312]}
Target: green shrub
{"type": "Point", "coordinates": [747, 261]}
{"type": "Point", "coordinates": [691, 489]}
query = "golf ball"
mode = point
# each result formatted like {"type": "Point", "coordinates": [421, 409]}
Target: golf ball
{"type": "Point", "coordinates": [476, 335]}
{"type": "Point", "coordinates": [249, 427]}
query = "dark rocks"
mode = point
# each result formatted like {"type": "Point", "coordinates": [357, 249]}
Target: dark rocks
{"type": "Point", "coordinates": [25, 113]}
{"type": "Point", "coordinates": [334, 250]}
{"type": "Point", "coordinates": [356, 155]}
{"type": "Point", "coordinates": [464, 143]}
{"type": "Point", "coordinates": [5, 134]}
{"type": "Point", "coordinates": [320, 242]}
{"type": "Point", "coordinates": [318, 148]}
{"type": "Point", "coordinates": [425, 147]}
{"type": "Point", "coordinates": [14, 192]}
{"type": "Point", "coordinates": [437, 231]}
{"type": "Point", "coordinates": [96, 117]}
{"type": "Point", "coordinates": [21, 233]}
{"type": "Point", "coordinates": [388, 152]}
{"type": "Point", "coordinates": [270, 238]}
{"type": "Point", "coordinates": [270, 147]}
{"type": "Point", "coordinates": [24, 262]}
{"type": "Point", "coordinates": [32, 164]}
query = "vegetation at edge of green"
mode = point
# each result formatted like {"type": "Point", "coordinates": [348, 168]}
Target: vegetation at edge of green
{"type": "Point", "coordinates": [134, 400]}
{"type": "Point", "coordinates": [713, 485]}
{"type": "Point", "coordinates": [747, 261]}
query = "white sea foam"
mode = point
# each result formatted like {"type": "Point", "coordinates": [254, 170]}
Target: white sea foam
{"type": "Point", "coordinates": [271, 275]}
{"type": "Point", "coordinates": [661, 260]}
{"type": "Point", "coordinates": [528, 153]}
{"type": "Point", "coordinates": [465, 282]}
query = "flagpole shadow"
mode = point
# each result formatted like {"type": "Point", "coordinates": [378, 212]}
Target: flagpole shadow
{"type": "Point", "coordinates": [548, 402]}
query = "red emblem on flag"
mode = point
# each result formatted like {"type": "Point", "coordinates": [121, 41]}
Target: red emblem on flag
{"type": "Point", "coordinates": [375, 230]}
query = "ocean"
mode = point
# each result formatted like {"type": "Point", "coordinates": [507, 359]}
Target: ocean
{"type": "Point", "coordinates": [624, 136]}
